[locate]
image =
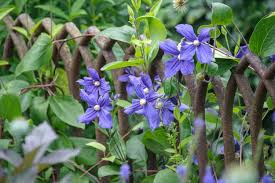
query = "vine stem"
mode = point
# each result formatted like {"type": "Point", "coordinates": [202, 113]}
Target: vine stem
{"type": "Point", "coordinates": [240, 33]}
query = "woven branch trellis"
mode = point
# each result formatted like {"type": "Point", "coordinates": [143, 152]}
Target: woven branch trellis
{"type": "Point", "coordinates": [197, 88]}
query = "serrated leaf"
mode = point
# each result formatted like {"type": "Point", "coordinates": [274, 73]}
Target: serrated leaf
{"type": "Point", "coordinates": [122, 64]}
{"type": "Point", "coordinates": [97, 145]}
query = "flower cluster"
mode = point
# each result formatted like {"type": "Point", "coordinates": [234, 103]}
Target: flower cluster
{"type": "Point", "coordinates": [153, 106]}
{"type": "Point", "coordinates": [96, 95]}
{"type": "Point", "coordinates": [184, 52]}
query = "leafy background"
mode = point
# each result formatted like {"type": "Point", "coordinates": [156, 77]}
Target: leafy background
{"type": "Point", "coordinates": [104, 14]}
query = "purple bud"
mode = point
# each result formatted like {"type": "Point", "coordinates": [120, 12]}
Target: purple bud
{"type": "Point", "coordinates": [181, 171]}
{"type": "Point", "coordinates": [272, 57]}
{"type": "Point", "coordinates": [125, 172]}
{"type": "Point", "coordinates": [267, 179]}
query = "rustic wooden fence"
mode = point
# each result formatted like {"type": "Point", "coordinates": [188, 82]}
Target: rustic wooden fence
{"type": "Point", "coordinates": [253, 100]}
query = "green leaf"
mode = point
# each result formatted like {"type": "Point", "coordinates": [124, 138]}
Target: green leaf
{"type": "Point", "coordinates": [123, 34]}
{"type": "Point", "coordinates": [77, 6]}
{"type": "Point", "coordinates": [39, 54]}
{"type": "Point", "coordinates": [111, 159]}
{"type": "Point", "coordinates": [53, 9]}
{"type": "Point", "coordinates": [122, 64]}
{"type": "Point", "coordinates": [76, 10]}
{"type": "Point", "coordinates": [87, 154]}
{"type": "Point", "coordinates": [221, 14]}
{"type": "Point", "coordinates": [108, 170]}
{"type": "Point", "coordinates": [117, 146]}
{"type": "Point", "coordinates": [10, 107]}
{"type": "Point", "coordinates": [67, 109]}
{"type": "Point", "coordinates": [220, 66]}
{"type": "Point", "coordinates": [38, 110]}
{"type": "Point", "coordinates": [155, 8]}
{"type": "Point", "coordinates": [4, 12]}
{"type": "Point", "coordinates": [62, 81]}
{"type": "Point", "coordinates": [262, 40]}
{"type": "Point", "coordinates": [156, 141]}
{"type": "Point", "coordinates": [156, 28]}
{"type": "Point", "coordinates": [166, 176]}
{"type": "Point", "coordinates": [97, 145]}
{"type": "Point", "coordinates": [123, 103]}
{"type": "Point", "coordinates": [4, 143]}
{"type": "Point", "coordinates": [136, 150]}
{"type": "Point", "coordinates": [3, 63]}
{"type": "Point", "coordinates": [22, 31]}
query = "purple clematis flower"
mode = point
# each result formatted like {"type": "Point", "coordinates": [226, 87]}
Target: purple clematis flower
{"type": "Point", "coordinates": [125, 172]}
{"type": "Point", "coordinates": [176, 63]}
{"type": "Point", "coordinates": [144, 82]}
{"type": "Point", "coordinates": [98, 107]}
{"type": "Point", "coordinates": [272, 57]}
{"type": "Point", "coordinates": [181, 171]}
{"type": "Point", "coordinates": [193, 44]}
{"type": "Point", "coordinates": [145, 106]}
{"type": "Point", "coordinates": [94, 84]}
{"type": "Point", "coordinates": [165, 108]}
{"type": "Point", "coordinates": [125, 78]}
{"type": "Point", "coordinates": [267, 179]}
{"type": "Point", "coordinates": [208, 177]}
{"type": "Point", "coordinates": [243, 50]}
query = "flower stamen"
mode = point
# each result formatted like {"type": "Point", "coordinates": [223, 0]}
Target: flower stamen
{"type": "Point", "coordinates": [97, 107]}
{"type": "Point", "coordinates": [196, 42]}
{"type": "Point", "coordinates": [97, 83]}
{"type": "Point", "coordinates": [142, 102]}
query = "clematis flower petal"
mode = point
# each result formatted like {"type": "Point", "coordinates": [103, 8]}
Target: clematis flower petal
{"type": "Point", "coordinates": [187, 51]}
{"type": "Point", "coordinates": [204, 54]}
{"type": "Point", "coordinates": [172, 66]}
{"type": "Point", "coordinates": [186, 31]}
{"type": "Point", "coordinates": [105, 119]}
{"type": "Point", "coordinates": [169, 47]}
{"type": "Point", "coordinates": [187, 67]}
{"type": "Point", "coordinates": [204, 35]}
{"type": "Point", "coordinates": [89, 99]}
{"type": "Point", "coordinates": [88, 116]}
{"type": "Point", "coordinates": [145, 78]}
{"type": "Point", "coordinates": [94, 75]}
{"type": "Point", "coordinates": [134, 107]}
{"type": "Point", "coordinates": [152, 116]}
{"type": "Point", "coordinates": [167, 116]}
{"type": "Point", "coordinates": [243, 50]}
